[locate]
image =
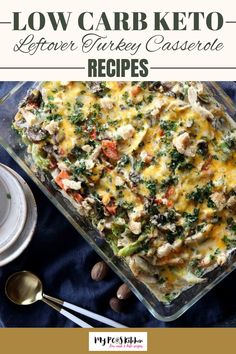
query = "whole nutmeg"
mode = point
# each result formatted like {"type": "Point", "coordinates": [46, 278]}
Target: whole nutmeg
{"type": "Point", "coordinates": [116, 304]}
{"type": "Point", "coordinates": [99, 271]}
{"type": "Point", "coordinates": [124, 292]}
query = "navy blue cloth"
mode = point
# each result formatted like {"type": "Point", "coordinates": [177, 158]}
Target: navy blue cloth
{"type": "Point", "coordinates": [63, 260]}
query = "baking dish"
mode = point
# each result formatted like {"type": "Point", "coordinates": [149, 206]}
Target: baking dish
{"type": "Point", "coordinates": [12, 142]}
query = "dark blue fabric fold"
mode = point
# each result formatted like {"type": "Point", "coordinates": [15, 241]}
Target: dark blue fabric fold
{"type": "Point", "coordinates": [63, 260]}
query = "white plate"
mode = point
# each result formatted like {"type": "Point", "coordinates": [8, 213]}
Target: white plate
{"type": "Point", "coordinates": [13, 208]}
{"type": "Point", "coordinates": [4, 200]}
{"type": "Point", "coordinates": [27, 233]}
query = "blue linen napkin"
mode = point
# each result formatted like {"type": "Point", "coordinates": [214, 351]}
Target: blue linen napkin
{"type": "Point", "coordinates": [63, 260]}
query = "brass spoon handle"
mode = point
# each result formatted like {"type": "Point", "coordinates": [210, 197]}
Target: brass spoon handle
{"type": "Point", "coordinates": [67, 314]}
{"type": "Point", "coordinates": [53, 299]}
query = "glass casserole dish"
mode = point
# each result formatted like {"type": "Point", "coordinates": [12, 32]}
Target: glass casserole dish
{"type": "Point", "coordinates": [13, 144]}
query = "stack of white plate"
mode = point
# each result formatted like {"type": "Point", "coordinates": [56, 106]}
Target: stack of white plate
{"type": "Point", "coordinates": [18, 215]}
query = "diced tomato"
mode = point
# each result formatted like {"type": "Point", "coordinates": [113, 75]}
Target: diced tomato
{"type": "Point", "coordinates": [170, 203]}
{"type": "Point", "coordinates": [77, 197]}
{"type": "Point", "coordinates": [159, 201]}
{"type": "Point", "coordinates": [62, 175]}
{"type": "Point", "coordinates": [136, 90]}
{"type": "Point", "coordinates": [111, 208]}
{"type": "Point", "coordinates": [93, 134]}
{"type": "Point", "coordinates": [62, 151]}
{"type": "Point", "coordinates": [109, 149]}
{"type": "Point", "coordinates": [170, 191]}
{"type": "Point", "coordinates": [161, 132]}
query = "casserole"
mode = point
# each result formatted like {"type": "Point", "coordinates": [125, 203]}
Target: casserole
{"type": "Point", "coordinates": [165, 311]}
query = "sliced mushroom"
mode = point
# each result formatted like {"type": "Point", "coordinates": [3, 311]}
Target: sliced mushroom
{"type": "Point", "coordinates": [94, 86]}
{"type": "Point", "coordinates": [167, 85]}
{"type": "Point", "coordinates": [154, 85]}
{"type": "Point", "coordinates": [34, 100]}
{"type": "Point", "coordinates": [219, 123]}
{"type": "Point", "coordinates": [49, 148]}
{"type": "Point", "coordinates": [202, 147]}
{"type": "Point", "coordinates": [192, 98]}
{"type": "Point", "coordinates": [203, 97]}
{"type": "Point", "coordinates": [36, 134]}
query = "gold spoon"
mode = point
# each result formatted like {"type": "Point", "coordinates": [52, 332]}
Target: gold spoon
{"type": "Point", "coordinates": [25, 288]}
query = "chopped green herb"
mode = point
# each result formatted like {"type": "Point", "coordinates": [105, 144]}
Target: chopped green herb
{"type": "Point", "coordinates": [168, 126]}
{"type": "Point", "coordinates": [177, 159]}
{"type": "Point", "coordinates": [138, 165]}
{"type": "Point", "coordinates": [149, 98]}
{"type": "Point", "coordinates": [191, 219]}
{"type": "Point", "coordinates": [211, 204]}
{"type": "Point", "coordinates": [76, 118]}
{"type": "Point", "coordinates": [56, 117]}
{"type": "Point", "coordinates": [195, 268]}
{"type": "Point", "coordinates": [143, 84]}
{"type": "Point", "coordinates": [161, 280]}
{"type": "Point", "coordinates": [231, 225]}
{"type": "Point", "coordinates": [229, 242]}
{"type": "Point", "coordinates": [127, 100]}
{"type": "Point", "coordinates": [201, 193]}
{"type": "Point", "coordinates": [126, 205]}
{"type": "Point", "coordinates": [152, 187]}
{"type": "Point", "coordinates": [124, 160]}
{"type": "Point", "coordinates": [50, 106]}
{"type": "Point", "coordinates": [169, 181]}
{"type": "Point", "coordinates": [170, 297]}
{"type": "Point", "coordinates": [97, 107]}
{"type": "Point", "coordinates": [139, 116]}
